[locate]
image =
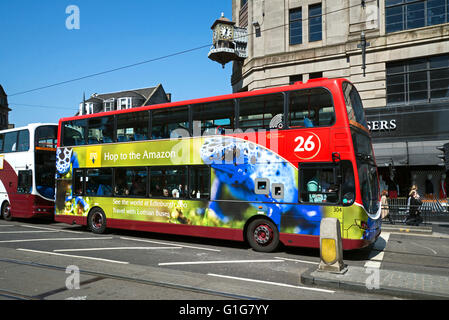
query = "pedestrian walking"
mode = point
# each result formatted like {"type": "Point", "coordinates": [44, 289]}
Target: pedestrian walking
{"type": "Point", "coordinates": [385, 211]}
{"type": "Point", "coordinates": [414, 204]}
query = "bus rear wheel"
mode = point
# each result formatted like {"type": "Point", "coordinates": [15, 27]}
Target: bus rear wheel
{"type": "Point", "coordinates": [96, 221]}
{"type": "Point", "coordinates": [6, 211]}
{"type": "Point", "coordinates": [262, 235]}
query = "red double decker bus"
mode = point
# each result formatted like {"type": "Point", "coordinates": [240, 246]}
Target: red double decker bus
{"type": "Point", "coordinates": [264, 166]}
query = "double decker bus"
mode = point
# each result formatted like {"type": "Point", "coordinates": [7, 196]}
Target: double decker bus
{"type": "Point", "coordinates": [27, 171]}
{"type": "Point", "coordinates": [264, 166]}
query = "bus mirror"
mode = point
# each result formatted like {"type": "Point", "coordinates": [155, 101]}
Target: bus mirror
{"type": "Point", "coordinates": [336, 157]}
{"type": "Point", "coordinates": [348, 198]}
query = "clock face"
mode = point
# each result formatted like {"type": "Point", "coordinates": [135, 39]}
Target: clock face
{"type": "Point", "coordinates": [225, 32]}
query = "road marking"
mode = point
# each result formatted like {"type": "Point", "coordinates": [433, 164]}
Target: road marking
{"type": "Point", "coordinates": [39, 231]}
{"type": "Point", "coordinates": [7, 225]}
{"type": "Point", "coordinates": [376, 255]}
{"type": "Point", "coordinates": [296, 260]}
{"type": "Point", "coordinates": [270, 283]}
{"type": "Point", "coordinates": [55, 239]}
{"type": "Point", "coordinates": [56, 230]}
{"type": "Point", "coordinates": [170, 244]}
{"type": "Point", "coordinates": [115, 248]}
{"type": "Point", "coordinates": [217, 262]}
{"type": "Point", "coordinates": [72, 256]}
{"type": "Point", "coordinates": [424, 247]}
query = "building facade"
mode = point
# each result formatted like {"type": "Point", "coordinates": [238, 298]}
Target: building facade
{"type": "Point", "coordinates": [124, 100]}
{"type": "Point", "coordinates": [403, 78]}
{"type": "Point", "coordinates": [4, 110]}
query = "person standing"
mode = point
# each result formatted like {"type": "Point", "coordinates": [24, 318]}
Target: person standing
{"type": "Point", "coordinates": [385, 212]}
{"type": "Point", "coordinates": [415, 203]}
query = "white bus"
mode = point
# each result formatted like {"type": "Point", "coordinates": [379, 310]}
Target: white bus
{"type": "Point", "coordinates": [27, 171]}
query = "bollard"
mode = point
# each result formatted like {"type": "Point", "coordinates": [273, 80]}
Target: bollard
{"type": "Point", "coordinates": [331, 249]}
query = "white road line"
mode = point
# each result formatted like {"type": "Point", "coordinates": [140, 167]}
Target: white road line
{"type": "Point", "coordinates": [55, 239]}
{"type": "Point", "coordinates": [376, 255]}
{"type": "Point", "coordinates": [115, 248]}
{"type": "Point", "coordinates": [217, 262]}
{"type": "Point", "coordinates": [270, 283]}
{"type": "Point", "coordinates": [56, 230]}
{"type": "Point", "coordinates": [424, 247]}
{"type": "Point", "coordinates": [39, 231]}
{"type": "Point", "coordinates": [7, 225]}
{"type": "Point", "coordinates": [72, 256]}
{"type": "Point", "coordinates": [296, 260]}
{"type": "Point", "coordinates": [170, 244]}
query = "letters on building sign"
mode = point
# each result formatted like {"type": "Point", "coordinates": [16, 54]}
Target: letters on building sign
{"type": "Point", "coordinates": [382, 125]}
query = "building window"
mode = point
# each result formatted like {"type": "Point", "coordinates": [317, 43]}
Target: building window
{"type": "Point", "coordinates": [423, 79]}
{"type": "Point", "coordinates": [410, 14]}
{"type": "Point", "coordinates": [315, 22]}
{"type": "Point", "coordinates": [109, 105]}
{"type": "Point", "coordinates": [315, 75]}
{"type": "Point", "coordinates": [295, 26]}
{"type": "Point", "coordinates": [295, 78]}
{"type": "Point", "coordinates": [124, 103]}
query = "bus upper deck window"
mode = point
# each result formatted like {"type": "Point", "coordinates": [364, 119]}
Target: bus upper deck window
{"type": "Point", "coordinates": [311, 108]}
{"type": "Point", "coordinates": [74, 133]}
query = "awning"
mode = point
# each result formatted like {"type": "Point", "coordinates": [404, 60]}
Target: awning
{"type": "Point", "coordinates": [416, 153]}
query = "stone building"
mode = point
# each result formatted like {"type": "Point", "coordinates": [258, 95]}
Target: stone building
{"type": "Point", "coordinates": [4, 110]}
{"type": "Point", "coordinates": [404, 82]}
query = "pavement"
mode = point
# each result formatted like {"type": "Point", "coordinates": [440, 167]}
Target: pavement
{"type": "Point", "coordinates": [383, 281]}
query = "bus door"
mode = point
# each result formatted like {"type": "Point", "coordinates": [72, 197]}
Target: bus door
{"type": "Point", "coordinates": [22, 204]}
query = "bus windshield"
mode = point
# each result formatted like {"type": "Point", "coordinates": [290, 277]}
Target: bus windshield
{"type": "Point", "coordinates": [45, 159]}
{"type": "Point", "coordinates": [354, 106]}
{"type": "Point", "coordinates": [46, 137]}
{"type": "Point", "coordinates": [367, 171]}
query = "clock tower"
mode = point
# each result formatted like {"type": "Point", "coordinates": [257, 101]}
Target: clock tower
{"type": "Point", "coordinates": [229, 41]}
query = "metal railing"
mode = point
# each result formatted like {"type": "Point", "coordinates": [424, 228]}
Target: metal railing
{"type": "Point", "coordinates": [431, 209]}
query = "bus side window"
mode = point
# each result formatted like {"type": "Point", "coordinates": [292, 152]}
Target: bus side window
{"type": "Point", "coordinates": [24, 181]}
{"type": "Point", "coordinates": [99, 182]}
{"type": "Point", "coordinates": [78, 185]}
{"type": "Point", "coordinates": [2, 140]}
{"type": "Point", "coordinates": [199, 187]}
{"type": "Point", "coordinates": [101, 130]}
{"type": "Point", "coordinates": [74, 132]}
{"type": "Point", "coordinates": [213, 118]}
{"type": "Point", "coordinates": [348, 183]}
{"type": "Point", "coordinates": [262, 112]}
{"type": "Point", "coordinates": [132, 126]}
{"type": "Point", "coordinates": [168, 182]}
{"type": "Point", "coordinates": [10, 144]}
{"type": "Point", "coordinates": [24, 140]}
{"type": "Point", "coordinates": [170, 123]}
{"type": "Point", "coordinates": [310, 108]}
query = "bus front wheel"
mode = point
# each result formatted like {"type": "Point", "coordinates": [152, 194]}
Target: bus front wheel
{"type": "Point", "coordinates": [6, 211]}
{"type": "Point", "coordinates": [97, 221]}
{"type": "Point", "coordinates": [262, 235]}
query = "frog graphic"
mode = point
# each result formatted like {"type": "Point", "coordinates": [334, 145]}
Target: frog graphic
{"type": "Point", "coordinates": [64, 158]}
{"type": "Point", "coordinates": [238, 163]}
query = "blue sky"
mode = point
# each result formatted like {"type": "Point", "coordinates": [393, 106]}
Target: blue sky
{"type": "Point", "coordinates": [38, 50]}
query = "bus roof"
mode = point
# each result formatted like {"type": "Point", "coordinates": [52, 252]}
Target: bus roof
{"type": "Point", "coordinates": [28, 126]}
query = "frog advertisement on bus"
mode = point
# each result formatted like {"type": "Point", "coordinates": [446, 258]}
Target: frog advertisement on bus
{"type": "Point", "coordinates": [238, 167]}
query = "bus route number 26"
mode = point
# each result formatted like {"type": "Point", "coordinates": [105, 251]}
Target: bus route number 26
{"type": "Point", "coordinates": [307, 145]}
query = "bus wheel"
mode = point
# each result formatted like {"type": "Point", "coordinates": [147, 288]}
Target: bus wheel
{"type": "Point", "coordinates": [96, 221]}
{"type": "Point", "coordinates": [6, 211]}
{"type": "Point", "coordinates": [262, 235]}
